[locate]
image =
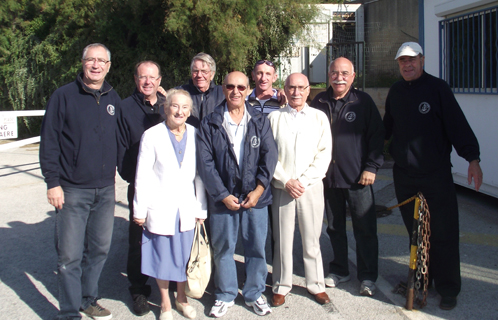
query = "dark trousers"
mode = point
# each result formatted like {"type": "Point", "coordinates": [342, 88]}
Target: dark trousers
{"type": "Point", "coordinates": [138, 281]}
{"type": "Point", "coordinates": [444, 255]}
{"type": "Point", "coordinates": [362, 208]}
{"type": "Point", "coordinates": [270, 233]}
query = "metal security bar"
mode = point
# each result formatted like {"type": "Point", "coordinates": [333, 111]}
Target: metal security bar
{"type": "Point", "coordinates": [469, 52]}
{"type": "Point", "coordinates": [354, 51]}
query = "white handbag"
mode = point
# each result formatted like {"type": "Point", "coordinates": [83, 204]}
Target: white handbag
{"type": "Point", "coordinates": [199, 266]}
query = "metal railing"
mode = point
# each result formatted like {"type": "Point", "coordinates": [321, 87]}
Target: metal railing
{"type": "Point", "coordinates": [354, 51]}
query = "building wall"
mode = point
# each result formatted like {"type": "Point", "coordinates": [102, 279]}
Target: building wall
{"type": "Point", "coordinates": [481, 110]}
{"type": "Point", "coordinates": [388, 23]}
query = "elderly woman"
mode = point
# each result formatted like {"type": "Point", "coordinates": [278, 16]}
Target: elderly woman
{"type": "Point", "coordinates": [169, 198]}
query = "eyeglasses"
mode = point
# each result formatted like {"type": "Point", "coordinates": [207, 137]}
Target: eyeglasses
{"type": "Point", "coordinates": [144, 78]}
{"type": "Point", "coordinates": [267, 62]}
{"type": "Point", "coordinates": [344, 74]}
{"type": "Point", "coordinates": [203, 72]}
{"type": "Point", "coordinates": [100, 61]}
{"type": "Point", "coordinates": [300, 88]}
{"type": "Point", "coordinates": [232, 86]}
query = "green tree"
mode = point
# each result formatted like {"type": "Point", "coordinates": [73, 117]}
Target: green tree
{"type": "Point", "coordinates": [41, 40]}
{"type": "Point", "coordinates": [38, 40]}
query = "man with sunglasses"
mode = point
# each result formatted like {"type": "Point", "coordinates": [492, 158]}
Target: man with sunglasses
{"type": "Point", "coordinates": [139, 112]}
{"type": "Point", "coordinates": [264, 97]}
{"type": "Point", "coordinates": [304, 150]}
{"type": "Point", "coordinates": [78, 153]}
{"type": "Point", "coordinates": [358, 141]}
{"type": "Point", "coordinates": [237, 156]}
{"type": "Point", "coordinates": [205, 94]}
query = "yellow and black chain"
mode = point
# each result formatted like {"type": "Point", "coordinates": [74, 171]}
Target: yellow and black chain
{"type": "Point", "coordinates": [423, 246]}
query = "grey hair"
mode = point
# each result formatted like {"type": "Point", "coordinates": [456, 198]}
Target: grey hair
{"type": "Point", "coordinates": [206, 58]}
{"type": "Point", "coordinates": [94, 45]}
{"type": "Point", "coordinates": [173, 92]}
{"type": "Point", "coordinates": [332, 62]}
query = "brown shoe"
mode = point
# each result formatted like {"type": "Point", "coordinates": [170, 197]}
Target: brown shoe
{"type": "Point", "coordinates": [322, 298]}
{"type": "Point", "coordinates": [277, 299]}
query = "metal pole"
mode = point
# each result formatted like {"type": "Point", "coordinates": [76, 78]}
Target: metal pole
{"type": "Point", "coordinates": [410, 284]}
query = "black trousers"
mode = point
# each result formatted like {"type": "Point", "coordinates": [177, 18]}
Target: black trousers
{"type": "Point", "coordinates": [138, 281]}
{"type": "Point", "coordinates": [362, 208]}
{"type": "Point", "coordinates": [444, 254]}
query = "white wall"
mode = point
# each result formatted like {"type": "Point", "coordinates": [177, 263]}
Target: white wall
{"type": "Point", "coordinates": [481, 110]}
{"type": "Point", "coordinates": [310, 51]}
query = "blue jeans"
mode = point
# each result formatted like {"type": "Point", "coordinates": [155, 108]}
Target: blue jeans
{"type": "Point", "coordinates": [253, 224]}
{"type": "Point", "coordinates": [83, 233]}
{"type": "Point", "coordinates": [362, 208]}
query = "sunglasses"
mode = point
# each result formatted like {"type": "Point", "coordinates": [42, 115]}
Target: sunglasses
{"type": "Point", "coordinates": [232, 86]}
{"type": "Point", "coordinates": [267, 62]}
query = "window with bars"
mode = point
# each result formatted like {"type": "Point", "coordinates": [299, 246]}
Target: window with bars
{"type": "Point", "coordinates": [469, 52]}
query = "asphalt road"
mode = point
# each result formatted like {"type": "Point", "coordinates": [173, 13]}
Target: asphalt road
{"type": "Point", "coordinates": [28, 285]}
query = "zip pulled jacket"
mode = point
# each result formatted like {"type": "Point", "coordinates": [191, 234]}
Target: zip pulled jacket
{"type": "Point", "coordinates": [357, 137]}
{"type": "Point", "coordinates": [136, 115]}
{"type": "Point", "coordinates": [425, 121]}
{"type": "Point", "coordinates": [217, 164]}
{"type": "Point", "coordinates": [271, 105]}
{"type": "Point", "coordinates": [78, 145]}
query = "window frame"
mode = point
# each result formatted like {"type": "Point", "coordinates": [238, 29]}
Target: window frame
{"type": "Point", "coordinates": [468, 63]}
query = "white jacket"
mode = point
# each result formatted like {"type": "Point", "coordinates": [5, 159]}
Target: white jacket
{"type": "Point", "coordinates": [162, 188]}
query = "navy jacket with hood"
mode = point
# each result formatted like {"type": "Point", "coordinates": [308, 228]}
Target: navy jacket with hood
{"type": "Point", "coordinates": [217, 163]}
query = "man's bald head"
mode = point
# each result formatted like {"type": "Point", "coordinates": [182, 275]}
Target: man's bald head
{"type": "Point", "coordinates": [297, 90]}
{"type": "Point", "coordinates": [235, 89]}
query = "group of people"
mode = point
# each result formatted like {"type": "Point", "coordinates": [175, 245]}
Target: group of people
{"type": "Point", "coordinates": [247, 162]}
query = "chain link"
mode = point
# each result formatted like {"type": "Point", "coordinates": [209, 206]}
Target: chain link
{"type": "Point", "coordinates": [423, 246]}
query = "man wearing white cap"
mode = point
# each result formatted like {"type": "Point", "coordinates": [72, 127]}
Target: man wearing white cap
{"type": "Point", "coordinates": [425, 122]}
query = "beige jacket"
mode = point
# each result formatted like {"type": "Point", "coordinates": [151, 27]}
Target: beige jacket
{"type": "Point", "coordinates": [304, 151]}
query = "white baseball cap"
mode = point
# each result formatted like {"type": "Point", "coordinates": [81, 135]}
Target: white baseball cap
{"type": "Point", "coordinates": [410, 49]}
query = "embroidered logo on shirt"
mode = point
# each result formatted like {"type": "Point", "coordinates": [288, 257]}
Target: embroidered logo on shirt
{"type": "Point", "coordinates": [350, 116]}
{"type": "Point", "coordinates": [424, 108]}
{"type": "Point", "coordinates": [255, 142]}
{"type": "Point", "coordinates": [110, 109]}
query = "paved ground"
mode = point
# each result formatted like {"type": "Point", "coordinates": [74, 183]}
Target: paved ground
{"type": "Point", "coordinates": [28, 260]}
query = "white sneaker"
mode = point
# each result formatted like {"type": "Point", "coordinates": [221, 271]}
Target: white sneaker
{"type": "Point", "coordinates": [260, 307]}
{"type": "Point", "coordinates": [333, 280]}
{"type": "Point", "coordinates": [220, 308]}
{"type": "Point", "coordinates": [367, 288]}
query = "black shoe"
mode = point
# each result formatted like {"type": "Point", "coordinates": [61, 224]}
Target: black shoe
{"type": "Point", "coordinates": [140, 305]}
{"type": "Point", "coordinates": [448, 303]}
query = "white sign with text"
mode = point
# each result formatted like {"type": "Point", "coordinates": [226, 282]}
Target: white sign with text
{"type": "Point", "coordinates": [8, 127]}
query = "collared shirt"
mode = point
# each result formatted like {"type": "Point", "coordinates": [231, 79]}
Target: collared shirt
{"type": "Point", "coordinates": [96, 92]}
{"type": "Point", "coordinates": [297, 115]}
{"type": "Point", "coordinates": [262, 106]}
{"type": "Point", "coordinates": [236, 134]}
